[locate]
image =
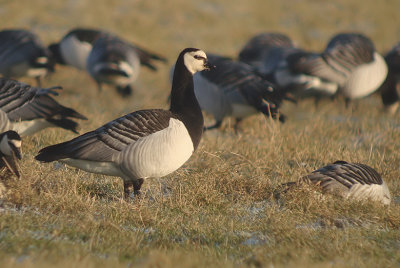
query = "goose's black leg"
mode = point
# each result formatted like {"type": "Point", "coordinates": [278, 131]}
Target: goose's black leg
{"type": "Point", "coordinates": [132, 186]}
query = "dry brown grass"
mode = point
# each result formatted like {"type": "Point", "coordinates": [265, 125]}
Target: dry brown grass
{"type": "Point", "coordinates": [218, 210]}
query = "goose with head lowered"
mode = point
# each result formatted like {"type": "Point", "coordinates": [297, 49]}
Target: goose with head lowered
{"type": "Point", "coordinates": [115, 61]}
{"type": "Point", "coordinates": [354, 181]}
{"type": "Point", "coordinates": [145, 143]}
{"type": "Point", "coordinates": [10, 151]}
{"type": "Point", "coordinates": [23, 54]}
{"type": "Point", "coordinates": [235, 89]}
{"type": "Point", "coordinates": [28, 110]}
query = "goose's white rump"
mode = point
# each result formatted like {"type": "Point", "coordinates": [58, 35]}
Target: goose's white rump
{"type": "Point", "coordinates": [373, 192]}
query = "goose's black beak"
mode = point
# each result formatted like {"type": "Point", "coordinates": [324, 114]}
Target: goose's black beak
{"type": "Point", "coordinates": [208, 66]}
{"type": "Point", "coordinates": [16, 151]}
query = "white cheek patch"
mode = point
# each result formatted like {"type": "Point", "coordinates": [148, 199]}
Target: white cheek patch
{"type": "Point", "coordinates": [16, 143]}
{"type": "Point", "coordinates": [192, 64]}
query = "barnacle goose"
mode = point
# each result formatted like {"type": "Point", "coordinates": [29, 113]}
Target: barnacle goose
{"type": "Point", "coordinates": [27, 109]}
{"type": "Point", "coordinates": [266, 51]}
{"type": "Point", "coordinates": [234, 89]}
{"type": "Point", "coordinates": [349, 66]}
{"type": "Point", "coordinates": [117, 62]}
{"type": "Point", "coordinates": [145, 143]}
{"type": "Point", "coordinates": [10, 150]}
{"type": "Point", "coordinates": [351, 180]}
{"type": "Point", "coordinates": [391, 86]}
{"type": "Point", "coordinates": [23, 54]}
{"type": "Point", "coordinates": [74, 48]}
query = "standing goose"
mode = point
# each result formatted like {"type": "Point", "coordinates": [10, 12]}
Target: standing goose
{"type": "Point", "coordinates": [23, 54]}
{"type": "Point", "coordinates": [145, 143]}
{"type": "Point", "coordinates": [350, 180]}
{"type": "Point", "coordinates": [27, 109]}
{"type": "Point", "coordinates": [391, 86]}
{"type": "Point", "coordinates": [116, 62]}
{"type": "Point", "coordinates": [266, 51]}
{"type": "Point", "coordinates": [349, 65]}
{"type": "Point", "coordinates": [74, 48]}
{"type": "Point", "coordinates": [10, 149]}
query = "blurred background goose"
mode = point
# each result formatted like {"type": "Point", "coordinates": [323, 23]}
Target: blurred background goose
{"type": "Point", "coordinates": [117, 62]}
{"type": "Point", "coordinates": [349, 66]}
{"type": "Point", "coordinates": [235, 89]}
{"type": "Point", "coordinates": [23, 54]}
{"type": "Point", "coordinates": [28, 110]}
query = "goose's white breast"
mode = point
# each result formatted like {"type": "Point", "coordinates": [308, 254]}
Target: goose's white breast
{"type": "Point", "coordinates": [75, 52]}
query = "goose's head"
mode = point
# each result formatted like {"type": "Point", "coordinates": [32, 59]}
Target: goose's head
{"type": "Point", "coordinates": [10, 144]}
{"type": "Point", "coordinates": [195, 60]}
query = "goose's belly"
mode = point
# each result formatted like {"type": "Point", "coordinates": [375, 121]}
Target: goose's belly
{"type": "Point", "coordinates": [158, 154]}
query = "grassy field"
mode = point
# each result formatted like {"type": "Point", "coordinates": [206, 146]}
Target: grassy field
{"type": "Point", "coordinates": [218, 210]}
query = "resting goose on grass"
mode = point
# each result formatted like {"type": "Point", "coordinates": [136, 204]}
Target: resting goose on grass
{"type": "Point", "coordinates": [391, 86]}
{"type": "Point", "coordinates": [234, 89]}
{"type": "Point", "coordinates": [74, 48]}
{"type": "Point", "coordinates": [10, 150]}
{"type": "Point", "coordinates": [116, 62]}
{"type": "Point", "coordinates": [23, 54]}
{"type": "Point", "coordinates": [146, 143]}
{"type": "Point", "coordinates": [349, 66]}
{"type": "Point", "coordinates": [350, 180]}
{"type": "Point", "coordinates": [28, 110]}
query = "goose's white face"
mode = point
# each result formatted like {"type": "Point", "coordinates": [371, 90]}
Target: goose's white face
{"type": "Point", "coordinates": [195, 61]}
{"type": "Point", "coordinates": [5, 145]}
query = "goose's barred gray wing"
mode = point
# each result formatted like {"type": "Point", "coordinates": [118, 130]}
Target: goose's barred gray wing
{"type": "Point", "coordinates": [104, 143]}
{"type": "Point", "coordinates": [21, 102]}
{"type": "Point", "coordinates": [347, 174]}
{"type": "Point", "coordinates": [231, 75]}
{"type": "Point", "coordinates": [344, 53]}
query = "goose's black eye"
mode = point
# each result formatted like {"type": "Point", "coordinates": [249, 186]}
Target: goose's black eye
{"type": "Point", "coordinates": [197, 57]}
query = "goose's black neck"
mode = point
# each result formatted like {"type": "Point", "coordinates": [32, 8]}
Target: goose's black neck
{"type": "Point", "coordinates": [184, 103]}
